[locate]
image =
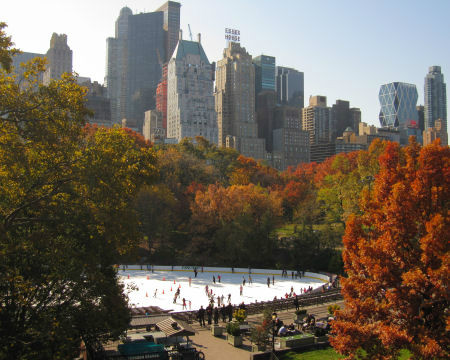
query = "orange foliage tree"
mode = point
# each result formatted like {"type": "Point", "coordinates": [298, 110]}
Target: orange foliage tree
{"type": "Point", "coordinates": [397, 259]}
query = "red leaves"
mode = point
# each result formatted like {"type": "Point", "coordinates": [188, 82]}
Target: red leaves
{"type": "Point", "coordinates": [397, 259]}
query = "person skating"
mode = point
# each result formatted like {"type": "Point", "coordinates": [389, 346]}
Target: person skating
{"type": "Point", "coordinates": [250, 279]}
{"type": "Point", "coordinates": [273, 279]}
{"type": "Point", "coordinates": [214, 279]}
{"type": "Point", "coordinates": [184, 304]}
{"type": "Point", "coordinates": [229, 299]}
{"type": "Point", "coordinates": [240, 290]}
{"type": "Point", "coordinates": [219, 277]}
{"type": "Point", "coordinates": [243, 281]}
{"type": "Point", "coordinates": [268, 282]}
{"type": "Point", "coordinates": [216, 316]}
{"type": "Point", "coordinates": [195, 272]}
{"type": "Point", "coordinates": [201, 316]}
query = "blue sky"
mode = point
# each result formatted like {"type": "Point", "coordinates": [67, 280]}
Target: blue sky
{"type": "Point", "coordinates": [346, 48]}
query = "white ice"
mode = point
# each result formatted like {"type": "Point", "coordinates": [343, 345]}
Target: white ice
{"type": "Point", "coordinates": [159, 288]}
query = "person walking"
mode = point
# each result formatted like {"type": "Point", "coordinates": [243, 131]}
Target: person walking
{"type": "Point", "coordinates": [297, 305]}
{"type": "Point", "coordinates": [216, 316]}
{"type": "Point", "coordinates": [223, 312]}
{"type": "Point", "coordinates": [201, 316]}
{"type": "Point", "coordinates": [230, 312]}
{"type": "Point", "coordinates": [209, 312]}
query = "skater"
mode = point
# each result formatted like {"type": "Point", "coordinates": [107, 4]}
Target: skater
{"type": "Point", "coordinates": [229, 299]}
{"type": "Point", "coordinates": [216, 316]}
{"type": "Point", "coordinates": [154, 295]}
{"type": "Point", "coordinates": [250, 279]}
{"type": "Point", "coordinates": [240, 290]}
{"type": "Point", "coordinates": [214, 279]}
{"type": "Point", "coordinates": [190, 280]}
{"type": "Point", "coordinates": [268, 282]}
{"type": "Point", "coordinates": [201, 316]}
{"type": "Point", "coordinates": [219, 277]}
{"type": "Point", "coordinates": [243, 281]}
{"type": "Point", "coordinates": [232, 269]}
{"type": "Point", "coordinates": [206, 289]}
{"type": "Point", "coordinates": [218, 300]}
{"type": "Point", "coordinates": [222, 298]}
{"type": "Point", "coordinates": [273, 280]}
{"type": "Point", "coordinates": [223, 313]}
{"type": "Point", "coordinates": [292, 275]}
{"type": "Point", "coordinates": [195, 272]}
{"type": "Point", "coordinates": [184, 304]}
{"type": "Point", "coordinates": [190, 304]}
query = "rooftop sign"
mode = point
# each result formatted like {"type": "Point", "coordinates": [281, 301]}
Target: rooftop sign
{"type": "Point", "coordinates": [233, 35]}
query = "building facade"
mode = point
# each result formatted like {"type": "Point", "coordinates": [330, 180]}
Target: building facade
{"type": "Point", "coordinates": [264, 73]}
{"type": "Point", "coordinates": [398, 109]}
{"type": "Point", "coordinates": [171, 21]}
{"type": "Point", "coordinates": [98, 102]}
{"type": "Point", "coordinates": [435, 91]}
{"type": "Point", "coordinates": [290, 142]}
{"type": "Point", "coordinates": [436, 132]}
{"type": "Point", "coordinates": [235, 102]}
{"type": "Point", "coordinates": [135, 57]}
{"type": "Point", "coordinates": [153, 129]}
{"type": "Point", "coordinates": [290, 87]}
{"type": "Point", "coordinates": [317, 120]}
{"type": "Point", "coordinates": [59, 57]}
{"type": "Point", "coordinates": [190, 88]}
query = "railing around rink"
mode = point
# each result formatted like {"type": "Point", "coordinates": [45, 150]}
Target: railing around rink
{"type": "Point", "coordinates": [315, 298]}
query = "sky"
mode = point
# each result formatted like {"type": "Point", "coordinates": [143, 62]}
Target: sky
{"type": "Point", "coordinates": [346, 48]}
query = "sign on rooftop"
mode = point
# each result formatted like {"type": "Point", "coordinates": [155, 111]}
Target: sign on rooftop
{"type": "Point", "coordinates": [233, 35]}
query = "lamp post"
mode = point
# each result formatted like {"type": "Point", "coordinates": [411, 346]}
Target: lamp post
{"type": "Point", "coordinates": [274, 318]}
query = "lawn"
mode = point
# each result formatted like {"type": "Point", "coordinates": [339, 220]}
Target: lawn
{"type": "Point", "coordinates": [327, 354]}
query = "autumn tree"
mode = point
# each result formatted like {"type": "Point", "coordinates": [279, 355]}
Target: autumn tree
{"type": "Point", "coordinates": [233, 224]}
{"type": "Point", "coordinates": [397, 259]}
{"type": "Point", "coordinates": [65, 217]}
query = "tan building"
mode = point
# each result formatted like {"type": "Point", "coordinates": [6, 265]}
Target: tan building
{"type": "Point", "coordinates": [59, 58]}
{"type": "Point", "coordinates": [235, 103]}
{"type": "Point", "coordinates": [436, 132]}
{"type": "Point", "coordinates": [153, 127]}
{"type": "Point", "coordinates": [316, 119]}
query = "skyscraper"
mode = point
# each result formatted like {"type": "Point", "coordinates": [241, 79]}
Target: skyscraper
{"type": "Point", "coordinates": [316, 119]}
{"type": "Point", "coordinates": [135, 57]}
{"type": "Point", "coordinates": [290, 87]}
{"type": "Point", "coordinates": [344, 117]}
{"type": "Point", "coordinates": [171, 10]}
{"type": "Point", "coordinates": [435, 92]}
{"type": "Point", "coordinates": [59, 58]}
{"type": "Point", "coordinates": [398, 109]}
{"type": "Point", "coordinates": [235, 102]}
{"type": "Point", "coordinates": [190, 99]}
{"type": "Point", "coordinates": [264, 73]}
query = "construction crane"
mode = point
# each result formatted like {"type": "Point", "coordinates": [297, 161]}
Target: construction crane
{"type": "Point", "coordinates": [190, 32]}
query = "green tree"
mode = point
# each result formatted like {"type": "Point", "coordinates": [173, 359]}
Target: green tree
{"type": "Point", "coordinates": [65, 217]}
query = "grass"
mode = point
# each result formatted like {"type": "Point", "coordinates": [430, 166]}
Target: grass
{"type": "Point", "coordinates": [328, 354]}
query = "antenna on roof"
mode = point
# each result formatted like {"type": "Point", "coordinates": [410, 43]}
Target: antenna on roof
{"type": "Point", "coordinates": [190, 32]}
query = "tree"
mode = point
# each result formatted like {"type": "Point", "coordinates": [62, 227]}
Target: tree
{"type": "Point", "coordinates": [397, 259]}
{"type": "Point", "coordinates": [65, 217]}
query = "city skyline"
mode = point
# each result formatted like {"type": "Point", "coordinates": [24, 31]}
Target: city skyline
{"type": "Point", "coordinates": [346, 50]}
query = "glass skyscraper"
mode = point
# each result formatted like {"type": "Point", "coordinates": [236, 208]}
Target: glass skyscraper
{"type": "Point", "coordinates": [290, 86]}
{"type": "Point", "coordinates": [435, 97]}
{"type": "Point", "coordinates": [398, 105]}
{"type": "Point", "coordinates": [264, 73]}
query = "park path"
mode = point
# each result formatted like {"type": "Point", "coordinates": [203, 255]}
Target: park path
{"type": "Point", "coordinates": [217, 348]}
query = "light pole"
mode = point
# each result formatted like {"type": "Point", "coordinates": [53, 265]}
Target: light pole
{"type": "Point", "coordinates": [274, 318]}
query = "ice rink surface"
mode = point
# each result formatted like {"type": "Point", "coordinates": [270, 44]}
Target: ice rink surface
{"type": "Point", "coordinates": [145, 288]}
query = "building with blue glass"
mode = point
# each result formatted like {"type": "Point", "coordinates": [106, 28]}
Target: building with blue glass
{"type": "Point", "coordinates": [398, 102]}
{"type": "Point", "coordinates": [264, 73]}
{"type": "Point", "coordinates": [290, 87]}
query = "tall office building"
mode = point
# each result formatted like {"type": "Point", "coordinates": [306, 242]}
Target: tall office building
{"type": "Point", "coordinates": [135, 57]}
{"type": "Point", "coordinates": [317, 120]}
{"type": "Point", "coordinates": [290, 87]}
{"type": "Point", "coordinates": [264, 73]}
{"type": "Point", "coordinates": [190, 99]}
{"type": "Point", "coordinates": [59, 58]}
{"type": "Point", "coordinates": [265, 106]}
{"type": "Point", "coordinates": [171, 10]}
{"type": "Point", "coordinates": [343, 117]}
{"type": "Point", "coordinates": [235, 102]}
{"type": "Point", "coordinates": [290, 142]}
{"type": "Point", "coordinates": [398, 109]}
{"type": "Point", "coordinates": [435, 92]}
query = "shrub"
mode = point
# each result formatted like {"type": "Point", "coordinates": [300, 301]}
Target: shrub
{"type": "Point", "coordinates": [240, 315]}
{"type": "Point", "coordinates": [233, 329]}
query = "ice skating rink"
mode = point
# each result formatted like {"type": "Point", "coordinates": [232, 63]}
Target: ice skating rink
{"type": "Point", "coordinates": [157, 288]}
